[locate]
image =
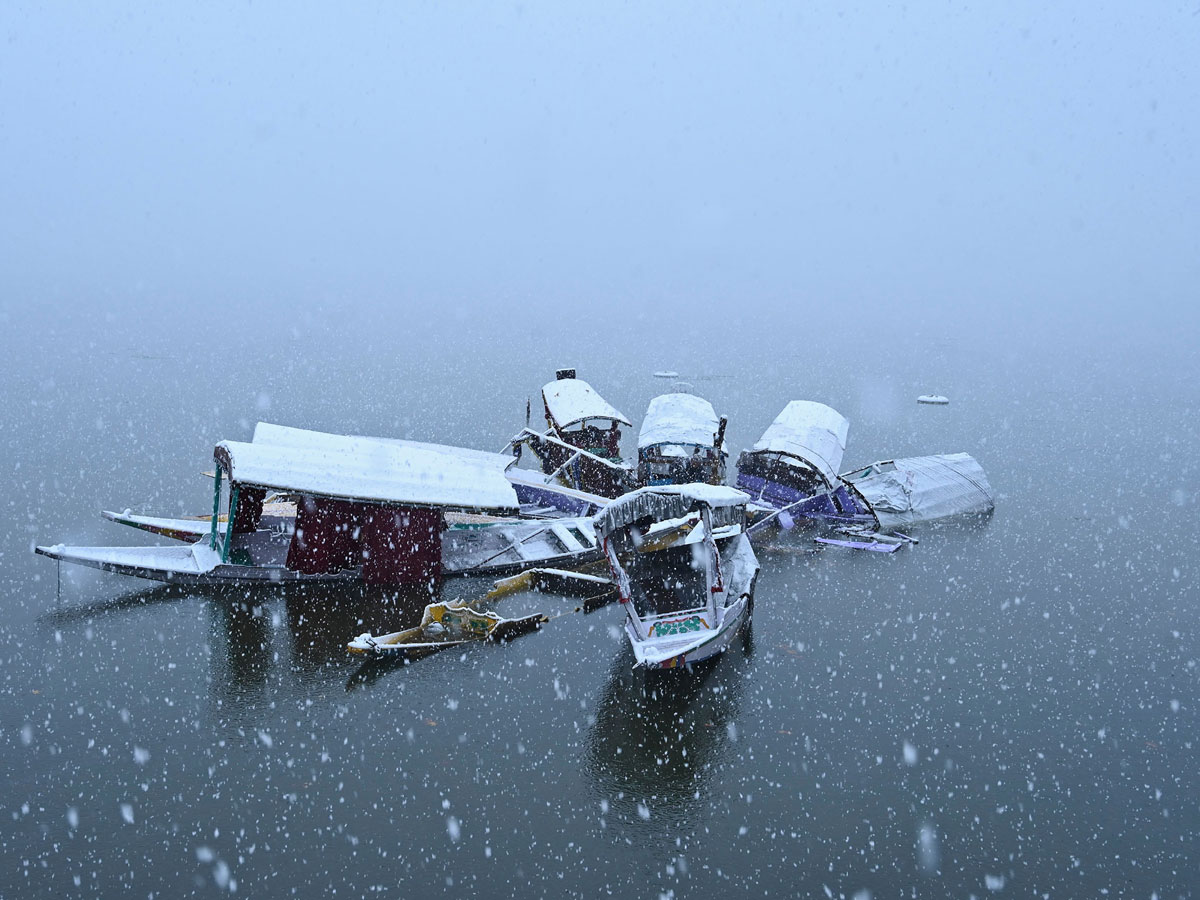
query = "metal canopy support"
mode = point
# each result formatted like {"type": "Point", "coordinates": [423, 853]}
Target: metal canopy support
{"type": "Point", "coordinates": [212, 538]}
{"type": "Point", "coordinates": [233, 499]}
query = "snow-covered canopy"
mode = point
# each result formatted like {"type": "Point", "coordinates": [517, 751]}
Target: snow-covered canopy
{"type": "Point", "coordinates": [673, 501]}
{"type": "Point", "coordinates": [922, 488]}
{"type": "Point", "coordinates": [811, 432]}
{"type": "Point", "coordinates": [303, 438]}
{"type": "Point", "coordinates": [571, 400]}
{"type": "Point", "coordinates": [678, 419]}
{"type": "Point", "coordinates": [370, 469]}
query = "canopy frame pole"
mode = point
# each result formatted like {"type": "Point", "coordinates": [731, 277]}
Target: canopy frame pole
{"type": "Point", "coordinates": [712, 570]}
{"type": "Point", "coordinates": [555, 473]}
{"type": "Point", "coordinates": [212, 538]}
{"type": "Point", "coordinates": [233, 499]}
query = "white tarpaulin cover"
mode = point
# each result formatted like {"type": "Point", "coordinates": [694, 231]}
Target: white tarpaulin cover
{"type": "Point", "coordinates": [673, 501]}
{"type": "Point", "coordinates": [678, 419]}
{"type": "Point", "coordinates": [810, 431]}
{"type": "Point", "coordinates": [922, 488]}
{"type": "Point", "coordinates": [571, 400]}
{"type": "Point", "coordinates": [371, 469]}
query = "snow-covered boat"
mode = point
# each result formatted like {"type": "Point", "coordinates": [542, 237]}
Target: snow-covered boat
{"type": "Point", "coordinates": [581, 446]}
{"type": "Point", "coordinates": [681, 442]}
{"type": "Point", "coordinates": [368, 509]}
{"type": "Point", "coordinates": [797, 458]}
{"type": "Point", "coordinates": [684, 569]}
{"type": "Point", "coordinates": [538, 498]}
{"type": "Point", "coordinates": [443, 626]}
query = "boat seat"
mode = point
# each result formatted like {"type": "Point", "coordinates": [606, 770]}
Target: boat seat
{"type": "Point", "coordinates": [566, 538]}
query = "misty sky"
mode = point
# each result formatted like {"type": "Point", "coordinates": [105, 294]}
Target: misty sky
{"type": "Point", "coordinates": [988, 156]}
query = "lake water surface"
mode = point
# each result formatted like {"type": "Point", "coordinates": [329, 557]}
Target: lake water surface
{"type": "Point", "coordinates": [1008, 708]}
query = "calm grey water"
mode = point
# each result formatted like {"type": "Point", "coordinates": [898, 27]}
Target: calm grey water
{"type": "Point", "coordinates": [1008, 708]}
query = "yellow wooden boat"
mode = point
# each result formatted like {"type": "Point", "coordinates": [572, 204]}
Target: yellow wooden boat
{"type": "Point", "coordinates": [445, 625]}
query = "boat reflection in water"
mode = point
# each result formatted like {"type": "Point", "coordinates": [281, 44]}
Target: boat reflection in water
{"type": "Point", "coordinates": [321, 620]}
{"type": "Point", "coordinates": [657, 736]}
{"type": "Point", "coordinates": [255, 639]}
{"type": "Point", "coordinates": [240, 639]}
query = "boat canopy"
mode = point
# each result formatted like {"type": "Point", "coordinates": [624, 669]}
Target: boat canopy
{"type": "Point", "coordinates": [673, 501]}
{"type": "Point", "coordinates": [810, 432]}
{"type": "Point", "coordinates": [572, 400]}
{"type": "Point", "coordinates": [922, 488]}
{"type": "Point", "coordinates": [370, 470]}
{"type": "Point", "coordinates": [678, 419]}
{"type": "Point", "coordinates": [303, 438]}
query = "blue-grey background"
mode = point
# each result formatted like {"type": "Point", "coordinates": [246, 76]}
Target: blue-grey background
{"type": "Point", "coordinates": [399, 220]}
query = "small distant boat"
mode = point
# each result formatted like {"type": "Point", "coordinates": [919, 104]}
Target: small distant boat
{"type": "Point", "coordinates": [933, 399]}
{"type": "Point", "coordinates": [681, 442]}
{"type": "Point", "coordinates": [666, 373]}
{"type": "Point", "coordinates": [443, 626]}
{"type": "Point", "coordinates": [684, 568]}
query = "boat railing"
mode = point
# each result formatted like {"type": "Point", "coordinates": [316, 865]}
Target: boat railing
{"type": "Point", "coordinates": [674, 614]}
{"type": "Point", "coordinates": [526, 434]}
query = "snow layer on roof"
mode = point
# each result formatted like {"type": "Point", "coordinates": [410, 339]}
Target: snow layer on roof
{"type": "Point", "coordinates": [302, 438]}
{"type": "Point", "coordinates": [372, 469]}
{"type": "Point", "coordinates": [678, 419]}
{"type": "Point", "coordinates": [572, 400]}
{"type": "Point", "coordinates": [922, 488]}
{"type": "Point", "coordinates": [811, 431]}
{"type": "Point", "coordinates": [673, 501]}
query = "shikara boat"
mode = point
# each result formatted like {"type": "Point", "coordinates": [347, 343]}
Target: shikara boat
{"type": "Point", "coordinates": [581, 446]}
{"type": "Point", "coordinates": [797, 457]}
{"type": "Point", "coordinates": [681, 442]}
{"type": "Point", "coordinates": [362, 509]}
{"type": "Point", "coordinates": [444, 626]}
{"type": "Point", "coordinates": [684, 569]}
{"type": "Point", "coordinates": [538, 498]}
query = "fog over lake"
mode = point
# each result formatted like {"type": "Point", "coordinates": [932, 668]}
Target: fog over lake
{"type": "Point", "coordinates": [399, 220]}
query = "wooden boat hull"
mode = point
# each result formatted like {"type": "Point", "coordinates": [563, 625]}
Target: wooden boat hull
{"type": "Point", "coordinates": [674, 640]}
{"type": "Point", "coordinates": [182, 566]}
{"type": "Point", "coordinates": [489, 549]}
{"type": "Point", "coordinates": [471, 626]}
{"type": "Point", "coordinates": [696, 647]}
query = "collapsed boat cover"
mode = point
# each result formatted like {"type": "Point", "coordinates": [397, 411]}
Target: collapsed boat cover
{"type": "Point", "coordinates": [812, 432]}
{"type": "Point", "coordinates": [371, 469]}
{"type": "Point", "coordinates": [922, 488]}
{"type": "Point", "coordinates": [673, 501]}
{"type": "Point", "coordinates": [571, 400]}
{"type": "Point", "coordinates": [678, 419]}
